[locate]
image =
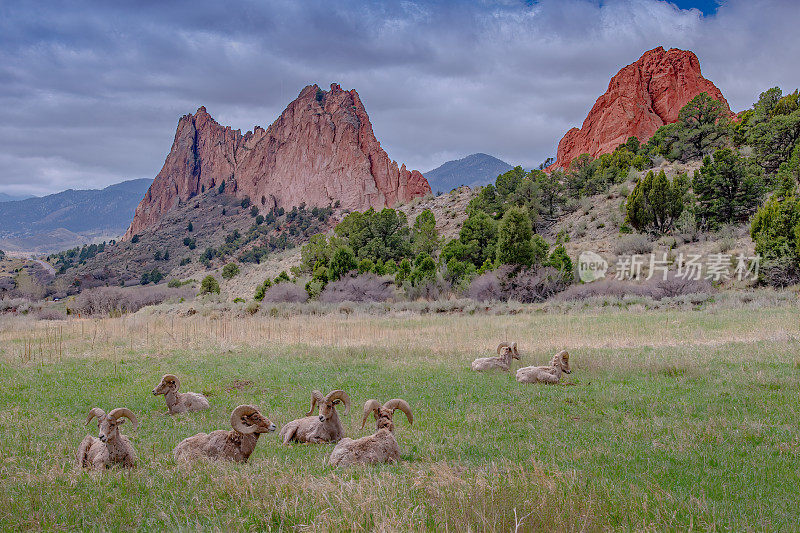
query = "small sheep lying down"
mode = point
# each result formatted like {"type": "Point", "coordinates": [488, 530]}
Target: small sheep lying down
{"type": "Point", "coordinates": [505, 352]}
{"type": "Point", "coordinates": [380, 447]}
{"type": "Point", "coordinates": [109, 447]}
{"type": "Point", "coordinates": [235, 445]}
{"type": "Point", "coordinates": [179, 402]}
{"type": "Point", "coordinates": [323, 428]}
{"type": "Point", "coordinates": [546, 374]}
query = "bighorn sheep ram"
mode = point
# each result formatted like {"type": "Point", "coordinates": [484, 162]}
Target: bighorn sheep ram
{"type": "Point", "coordinates": [109, 447]}
{"type": "Point", "coordinates": [179, 402]}
{"type": "Point", "coordinates": [323, 428]}
{"type": "Point", "coordinates": [380, 447]}
{"type": "Point", "coordinates": [236, 445]}
{"type": "Point", "coordinates": [505, 352]}
{"type": "Point", "coordinates": [546, 374]}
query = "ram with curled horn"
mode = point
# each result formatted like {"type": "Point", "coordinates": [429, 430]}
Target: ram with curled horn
{"type": "Point", "coordinates": [505, 353]}
{"type": "Point", "coordinates": [381, 446]}
{"type": "Point", "coordinates": [109, 447]}
{"type": "Point", "coordinates": [179, 402]}
{"type": "Point", "coordinates": [546, 374]}
{"type": "Point", "coordinates": [326, 427]}
{"type": "Point", "coordinates": [235, 445]}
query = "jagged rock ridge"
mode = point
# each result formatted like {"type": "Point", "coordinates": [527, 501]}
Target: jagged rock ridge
{"type": "Point", "coordinates": [640, 98]}
{"type": "Point", "coordinates": [319, 151]}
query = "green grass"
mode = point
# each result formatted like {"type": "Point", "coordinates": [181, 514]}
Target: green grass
{"type": "Point", "coordinates": [668, 438]}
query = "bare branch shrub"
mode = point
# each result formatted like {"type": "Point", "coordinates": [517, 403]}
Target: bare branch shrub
{"type": "Point", "coordinates": [108, 300]}
{"type": "Point", "coordinates": [529, 285]}
{"type": "Point", "coordinates": [363, 288]}
{"type": "Point", "coordinates": [486, 288]}
{"type": "Point", "coordinates": [633, 244]}
{"type": "Point", "coordinates": [285, 292]}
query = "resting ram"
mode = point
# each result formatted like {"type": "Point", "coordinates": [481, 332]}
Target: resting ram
{"type": "Point", "coordinates": [323, 428]}
{"type": "Point", "coordinates": [235, 445]}
{"type": "Point", "coordinates": [109, 447]}
{"type": "Point", "coordinates": [505, 352]}
{"type": "Point", "coordinates": [179, 402]}
{"type": "Point", "coordinates": [546, 374]}
{"type": "Point", "coordinates": [380, 447]}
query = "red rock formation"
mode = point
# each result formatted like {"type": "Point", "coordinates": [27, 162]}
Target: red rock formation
{"type": "Point", "coordinates": [641, 98]}
{"type": "Point", "coordinates": [320, 150]}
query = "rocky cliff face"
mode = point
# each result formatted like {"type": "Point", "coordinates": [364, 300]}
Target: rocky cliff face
{"type": "Point", "coordinates": [320, 150]}
{"type": "Point", "coordinates": [641, 98]}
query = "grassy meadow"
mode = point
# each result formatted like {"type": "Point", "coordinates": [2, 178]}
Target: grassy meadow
{"type": "Point", "coordinates": [669, 421]}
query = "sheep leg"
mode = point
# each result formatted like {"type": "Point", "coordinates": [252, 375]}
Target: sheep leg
{"type": "Point", "coordinates": [287, 438]}
{"type": "Point", "coordinates": [83, 450]}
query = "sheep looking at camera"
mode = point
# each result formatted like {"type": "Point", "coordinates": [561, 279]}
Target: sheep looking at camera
{"type": "Point", "coordinates": [179, 402]}
{"type": "Point", "coordinates": [546, 374]}
{"type": "Point", "coordinates": [380, 447]}
{"type": "Point", "coordinates": [323, 428]}
{"type": "Point", "coordinates": [109, 447]}
{"type": "Point", "coordinates": [235, 445]}
{"type": "Point", "coordinates": [505, 352]}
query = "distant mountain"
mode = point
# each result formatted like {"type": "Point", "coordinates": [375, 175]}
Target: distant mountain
{"type": "Point", "coordinates": [14, 197]}
{"type": "Point", "coordinates": [69, 218]}
{"type": "Point", "coordinates": [473, 170]}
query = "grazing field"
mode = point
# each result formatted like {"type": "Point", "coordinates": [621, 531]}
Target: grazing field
{"type": "Point", "coordinates": [669, 421]}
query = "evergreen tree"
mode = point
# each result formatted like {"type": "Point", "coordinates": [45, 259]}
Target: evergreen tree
{"type": "Point", "coordinates": [342, 262]}
{"type": "Point", "coordinates": [728, 188]}
{"type": "Point", "coordinates": [424, 237]}
{"type": "Point", "coordinates": [514, 246]}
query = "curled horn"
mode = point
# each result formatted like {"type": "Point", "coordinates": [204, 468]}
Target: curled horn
{"type": "Point", "coordinates": [172, 377]}
{"type": "Point", "coordinates": [316, 397]}
{"type": "Point", "coordinates": [372, 406]}
{"type": "Point", "coordinates": [339, 394]}
{"type": "Point", "coordinates": [127, 413]}
{"type": "Point", "coordinates": [514, 350]}
{"type": "Point", "coordinates": [397, 403]}
{"type": "Point", "coordinates": [95, 412]}
{"type": "Point", "coordinates": [501, 346]}
{"type": "Point", "coordinates": [238, 414]}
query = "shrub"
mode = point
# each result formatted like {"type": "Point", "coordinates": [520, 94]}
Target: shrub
{"type": "Point", "coordinates": [156, 276]}
{"type": "Point", "coordinates": [780, 272]}
{"type": "Point", "coordinates": [363, 288]}
{"type": "Point", "coordinates": [259, 295]}
{"type": "Point", "coordinates": [285, 292]}
{"type": "Point", "coordinates": [561, 261]}
{"type": "Point", "coordinates": [51, 313]}
{"type": "Point", "coordinates": [424, 270]}
{"type": "Point", "coordinates": [775, 228]}
{"type": "Point", "coordinates": [655, 288]}
{"type": "Point", "coordinates": [209, 285]}
{"type": "Point", "coordinates": [633, 244]}
{"type": "Point", "coordinates": [135, 239]}
{"type": "Point", "coordinates": [403, 271]}
{"type": "Point", "coordinates": [230, 271]}
{"type": "Point", "coordinates": [365, 266]}
{"type": "Point", "coordinates": [342, 262]}
{"type": "Point", "coordinates": [107, 300]}
{"type": "Point", "coordinates": [529, 285]}
{"type": "Point", "coordinates": [485, 288]}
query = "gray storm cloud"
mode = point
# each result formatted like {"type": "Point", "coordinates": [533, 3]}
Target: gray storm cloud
{"type": "Point", "coordinates": [90, 93]}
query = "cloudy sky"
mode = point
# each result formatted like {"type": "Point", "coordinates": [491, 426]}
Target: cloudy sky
{"type": "Point", "coordinates": [90, 92]}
